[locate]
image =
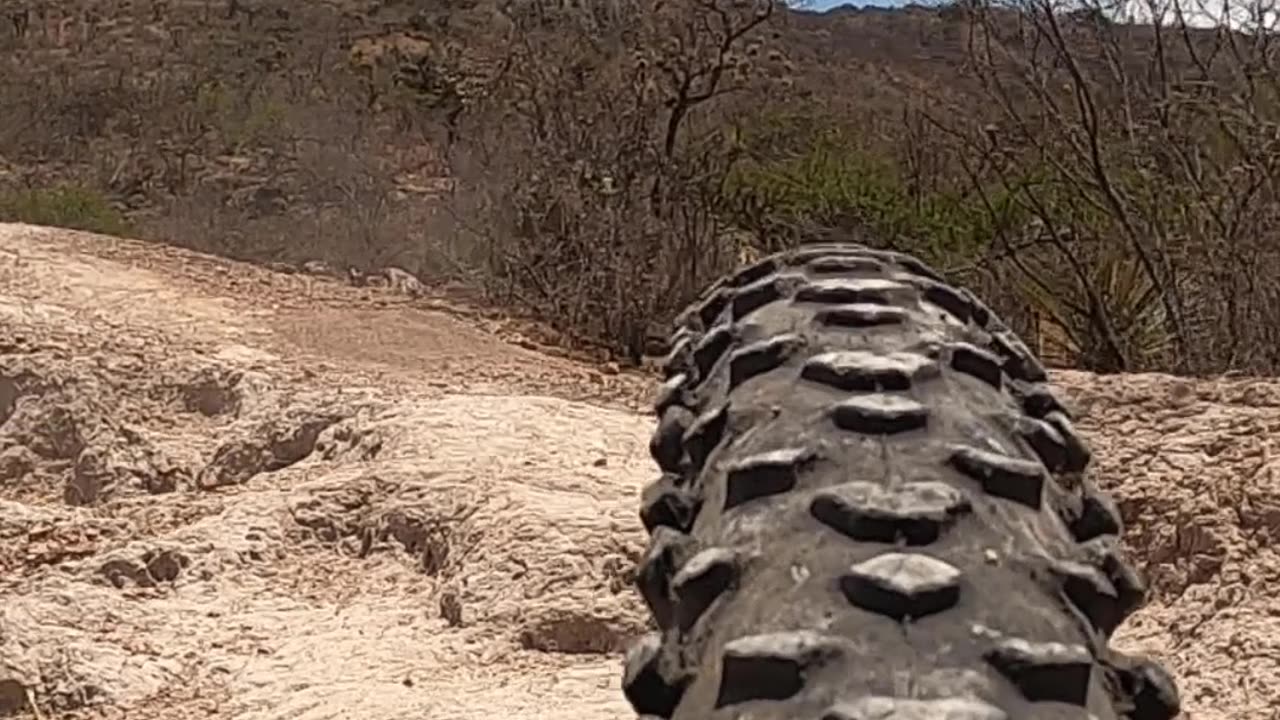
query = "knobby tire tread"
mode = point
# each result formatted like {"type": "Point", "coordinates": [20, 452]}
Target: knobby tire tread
{"type": "Point", "coordinates": [872, 505]}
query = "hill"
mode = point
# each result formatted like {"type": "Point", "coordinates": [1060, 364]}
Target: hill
{"type": "Point", "coordinates": [597, 166]}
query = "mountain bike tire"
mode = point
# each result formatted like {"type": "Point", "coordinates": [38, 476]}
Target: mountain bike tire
{"type": "Point", "coordinates": [872, 505]}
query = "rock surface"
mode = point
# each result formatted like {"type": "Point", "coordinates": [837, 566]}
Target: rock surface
{"type": "Point", "coordinates": [226, 492]}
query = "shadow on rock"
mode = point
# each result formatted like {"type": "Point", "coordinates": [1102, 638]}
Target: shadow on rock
{"type": "Point", "coordinates": [268, 446]}
{"type": "Point", "coordinates": [72, 437]}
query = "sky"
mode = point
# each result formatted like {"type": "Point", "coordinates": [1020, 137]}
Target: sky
{"type": "Point", "coordinates": [1203, 13]}
{"type": "Point", "coordinates": [828, 4]}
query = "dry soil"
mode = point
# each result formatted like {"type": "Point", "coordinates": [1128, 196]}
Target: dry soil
{"type": "Point", "coordinates": [227, 492]}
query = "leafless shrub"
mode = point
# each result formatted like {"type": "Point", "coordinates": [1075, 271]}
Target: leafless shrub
{"type": "Point", "coordinates": [589, 155]}
{"type": "Point", "coordinates": [1143, 158]}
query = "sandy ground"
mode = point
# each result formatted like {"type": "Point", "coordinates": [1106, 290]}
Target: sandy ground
{"type": "Point", "coordinates": [231, 493]}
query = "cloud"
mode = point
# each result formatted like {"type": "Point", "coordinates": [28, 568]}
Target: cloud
{"type": "Point", "coordinates": [1245, 15]}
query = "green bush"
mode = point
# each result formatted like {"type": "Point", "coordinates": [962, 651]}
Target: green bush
{"type": "Point", "coordinates": [829, 181]}
{"type": "Point", "coordinates": [69, 207]}
{"type": "Point", "coordinates": [240, 121]}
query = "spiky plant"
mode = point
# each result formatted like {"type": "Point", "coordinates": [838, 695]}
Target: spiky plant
{"type": "Point", "coordinates": [1129, 302]}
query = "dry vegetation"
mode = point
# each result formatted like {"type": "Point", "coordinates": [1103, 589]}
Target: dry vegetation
{"type": "Point", "coordinates": [1111, 188]}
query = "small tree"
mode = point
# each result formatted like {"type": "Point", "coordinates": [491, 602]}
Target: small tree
{"type": "Point", "coordinates": [590, 154]}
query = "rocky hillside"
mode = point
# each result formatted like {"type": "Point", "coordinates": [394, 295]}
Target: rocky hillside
{"type": "Point", "coordinates": [273, 131]}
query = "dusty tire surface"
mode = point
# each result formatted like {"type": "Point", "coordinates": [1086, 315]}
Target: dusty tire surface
{"type": "Point", "coordinates": [873, 506]}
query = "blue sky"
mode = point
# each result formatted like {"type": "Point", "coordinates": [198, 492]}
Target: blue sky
{"type": "Point", "coordinates": [828, 4]}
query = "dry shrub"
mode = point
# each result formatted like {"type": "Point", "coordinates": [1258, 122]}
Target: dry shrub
{"type": "Point", "coordinates": [1144, 158]}
{"type": "Point", "coordinates": [590, 153]}
{"type": "Point", "coordinates": [605, 160]}
{"type": "Point", "coordinates": [238, 128]}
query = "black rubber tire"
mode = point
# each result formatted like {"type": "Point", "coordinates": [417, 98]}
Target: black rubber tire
{"type": "Point", "coordinates": [872, 506]}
